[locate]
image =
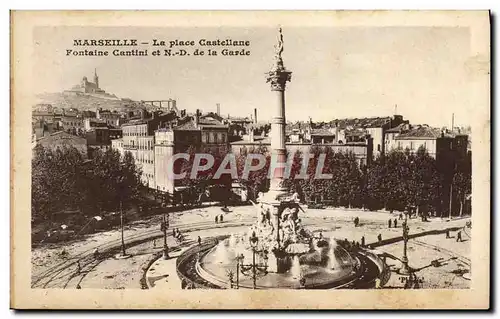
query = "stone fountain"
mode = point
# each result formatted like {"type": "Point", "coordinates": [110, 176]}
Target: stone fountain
{"type": "Point", "coordinates": [284, 252]}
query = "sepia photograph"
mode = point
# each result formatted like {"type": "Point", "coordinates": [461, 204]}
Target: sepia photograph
{"type": "Point", "coordinates": [251, 153]}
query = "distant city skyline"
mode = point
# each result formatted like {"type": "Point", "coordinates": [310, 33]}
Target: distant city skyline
{"type": "Point", "coordinates": [343, 72]}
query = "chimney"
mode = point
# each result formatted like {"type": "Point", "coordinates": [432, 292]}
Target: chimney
{"type": "Point", "coordinates": [197, 118]}
{"type": "Point", "coordinates": [255, 115]}
{"type": "Point", "coordinates": [250, 134]}
{"type": "Point", "coordinates": [336, 132]}
{"type": "Point", "coordinates": [218, 109]}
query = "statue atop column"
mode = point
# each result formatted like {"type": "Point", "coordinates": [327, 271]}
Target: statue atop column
{"type": "Point", "coordinates": [279, 48]}
{"type": "Point", "coordinates": [278, 76]}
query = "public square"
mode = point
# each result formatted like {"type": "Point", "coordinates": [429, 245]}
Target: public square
{"type": "Point", "coordinates": [52, 268]}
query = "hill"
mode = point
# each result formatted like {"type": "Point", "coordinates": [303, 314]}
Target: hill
{"type": "Point", "coordinates": [88, 102]}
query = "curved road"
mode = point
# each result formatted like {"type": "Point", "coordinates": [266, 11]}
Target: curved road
{"type": "Point", "coordinates": [62, 272]}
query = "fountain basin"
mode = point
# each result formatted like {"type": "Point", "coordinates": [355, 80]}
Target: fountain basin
{"type": "Point", "coordinates": [202, 267]}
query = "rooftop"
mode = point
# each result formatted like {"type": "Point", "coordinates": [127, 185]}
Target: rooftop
{"type": "Point", "coordinates": [321, 132]}
{"type": "Point", "coordinates": [188, 126]}
{"type": "Point", "coordinates": [421, 132]}
{"type": "Point", "coordinates": [396, 129]}
{"type": "Point", "coordinates": [362, 122]}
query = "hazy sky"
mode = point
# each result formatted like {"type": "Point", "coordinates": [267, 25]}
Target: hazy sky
{"type": "Point", "coordinates": [337, 72]}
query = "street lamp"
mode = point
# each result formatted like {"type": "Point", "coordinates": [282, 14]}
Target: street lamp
{"type": "Point", "coordinates": [256, 269]}
{"type": "Point", "coordinates": [120, 189]}
{"type": "Point", "coordinates": [164, 226]}
{"type": "Point", "coordinates": [230, 276]}
{"type": "Point", "coordinates": [121, 226]}
{"type": "Point", "coordinates": [405, 269]}
{"type": "Point", "coordinates": [239, 260]}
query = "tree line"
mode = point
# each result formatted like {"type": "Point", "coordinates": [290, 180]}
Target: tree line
{"type": "Point", "coordinates": [62, 179]}
{"type": "Point", "coordinates": [398, 180]}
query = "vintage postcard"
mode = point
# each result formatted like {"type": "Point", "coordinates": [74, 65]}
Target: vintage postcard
{"type": "Point", "coordinates": [250, 160]}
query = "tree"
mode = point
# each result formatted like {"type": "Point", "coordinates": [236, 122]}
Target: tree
{"type": "Point", "coordinates": [291, 182]}
{"type": "Point", "coordinates": [377, 184]}
{"type": "Point", "coordinates": [424, 181]}
{"type": "Point", "coordinates": [205, 180]}
{"type": "Point", "coordinates": [354, 180]}
{"type": "Point", "coordinates": [62, 179]}
{"type": "Point", "coordinates": [56, 180]}
{"type": "Point", "coordinates": [257, 181]}
{"type": "Point", "coordinates": [311, 187]}
{"type": "Point", "coordinates": [462, 182]}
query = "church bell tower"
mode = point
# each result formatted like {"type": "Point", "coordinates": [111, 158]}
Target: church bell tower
{"type": "Point", "coordinates": [96, 78]}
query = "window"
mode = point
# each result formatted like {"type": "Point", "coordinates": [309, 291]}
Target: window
{"type": "Point", "coordinates": [378, 147]}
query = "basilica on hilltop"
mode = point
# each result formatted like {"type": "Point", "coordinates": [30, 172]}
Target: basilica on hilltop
{"type": "Point", "coordinates": [87, 87]}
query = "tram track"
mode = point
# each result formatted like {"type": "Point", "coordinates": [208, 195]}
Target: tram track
{"type": "Point", "coordinates": [43, 278]}
{"type": "Point", "coordinates": [463, 259]}
{"type": "Point", "coordinates": [131, 240]}
{"type": "Point", "coordinates": [65, 269]}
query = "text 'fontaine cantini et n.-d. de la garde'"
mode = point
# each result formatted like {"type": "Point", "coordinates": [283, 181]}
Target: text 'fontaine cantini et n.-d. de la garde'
{"type": "Point", "coordinates": [158, 47]}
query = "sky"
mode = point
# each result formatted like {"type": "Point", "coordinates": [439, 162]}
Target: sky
{"type": "Point", "coordinates": [337, 72]}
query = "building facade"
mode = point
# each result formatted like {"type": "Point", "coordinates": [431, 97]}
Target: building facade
{"type": "Point", "coordinates": [163, 152]}
{"type": "Point", "coordinates": [139, 139]}
{"type": "Point", "coordinates": [362, 151]}
{"type": "Point", "coordinates": [441, 144]}
{"type": "Point", "coordinates": [198, 132]}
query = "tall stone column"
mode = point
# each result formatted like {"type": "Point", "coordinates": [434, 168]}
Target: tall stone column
{"type": "Point", "coordinates": [277, 77]}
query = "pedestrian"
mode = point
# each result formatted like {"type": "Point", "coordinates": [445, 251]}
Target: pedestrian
{"type": "Point", "coordinates": [217, 219]}
{"type": "Point", "coordinates": [379, 237]}
{"type": "Point", "coordinates": [390, 223]}
{"type": "Point", "coordinates": [447, 233]}
{"type": "Point", "coordinates": [377, 283]}
{"type": "Point", "coordinates": [96, 253]}
{"type": "Point", "coordinates": [363, 241]}
{"type": "Point", "coordinates": [221, 218]}
{"type": "Point", "coordinates": [459, 236]}
{"type": "Point", "coordinates": [199, 240]}
{"type": "Point", "coordinates": [395, 223]}
{"type": "Point", "coordinates": [400, 216]}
